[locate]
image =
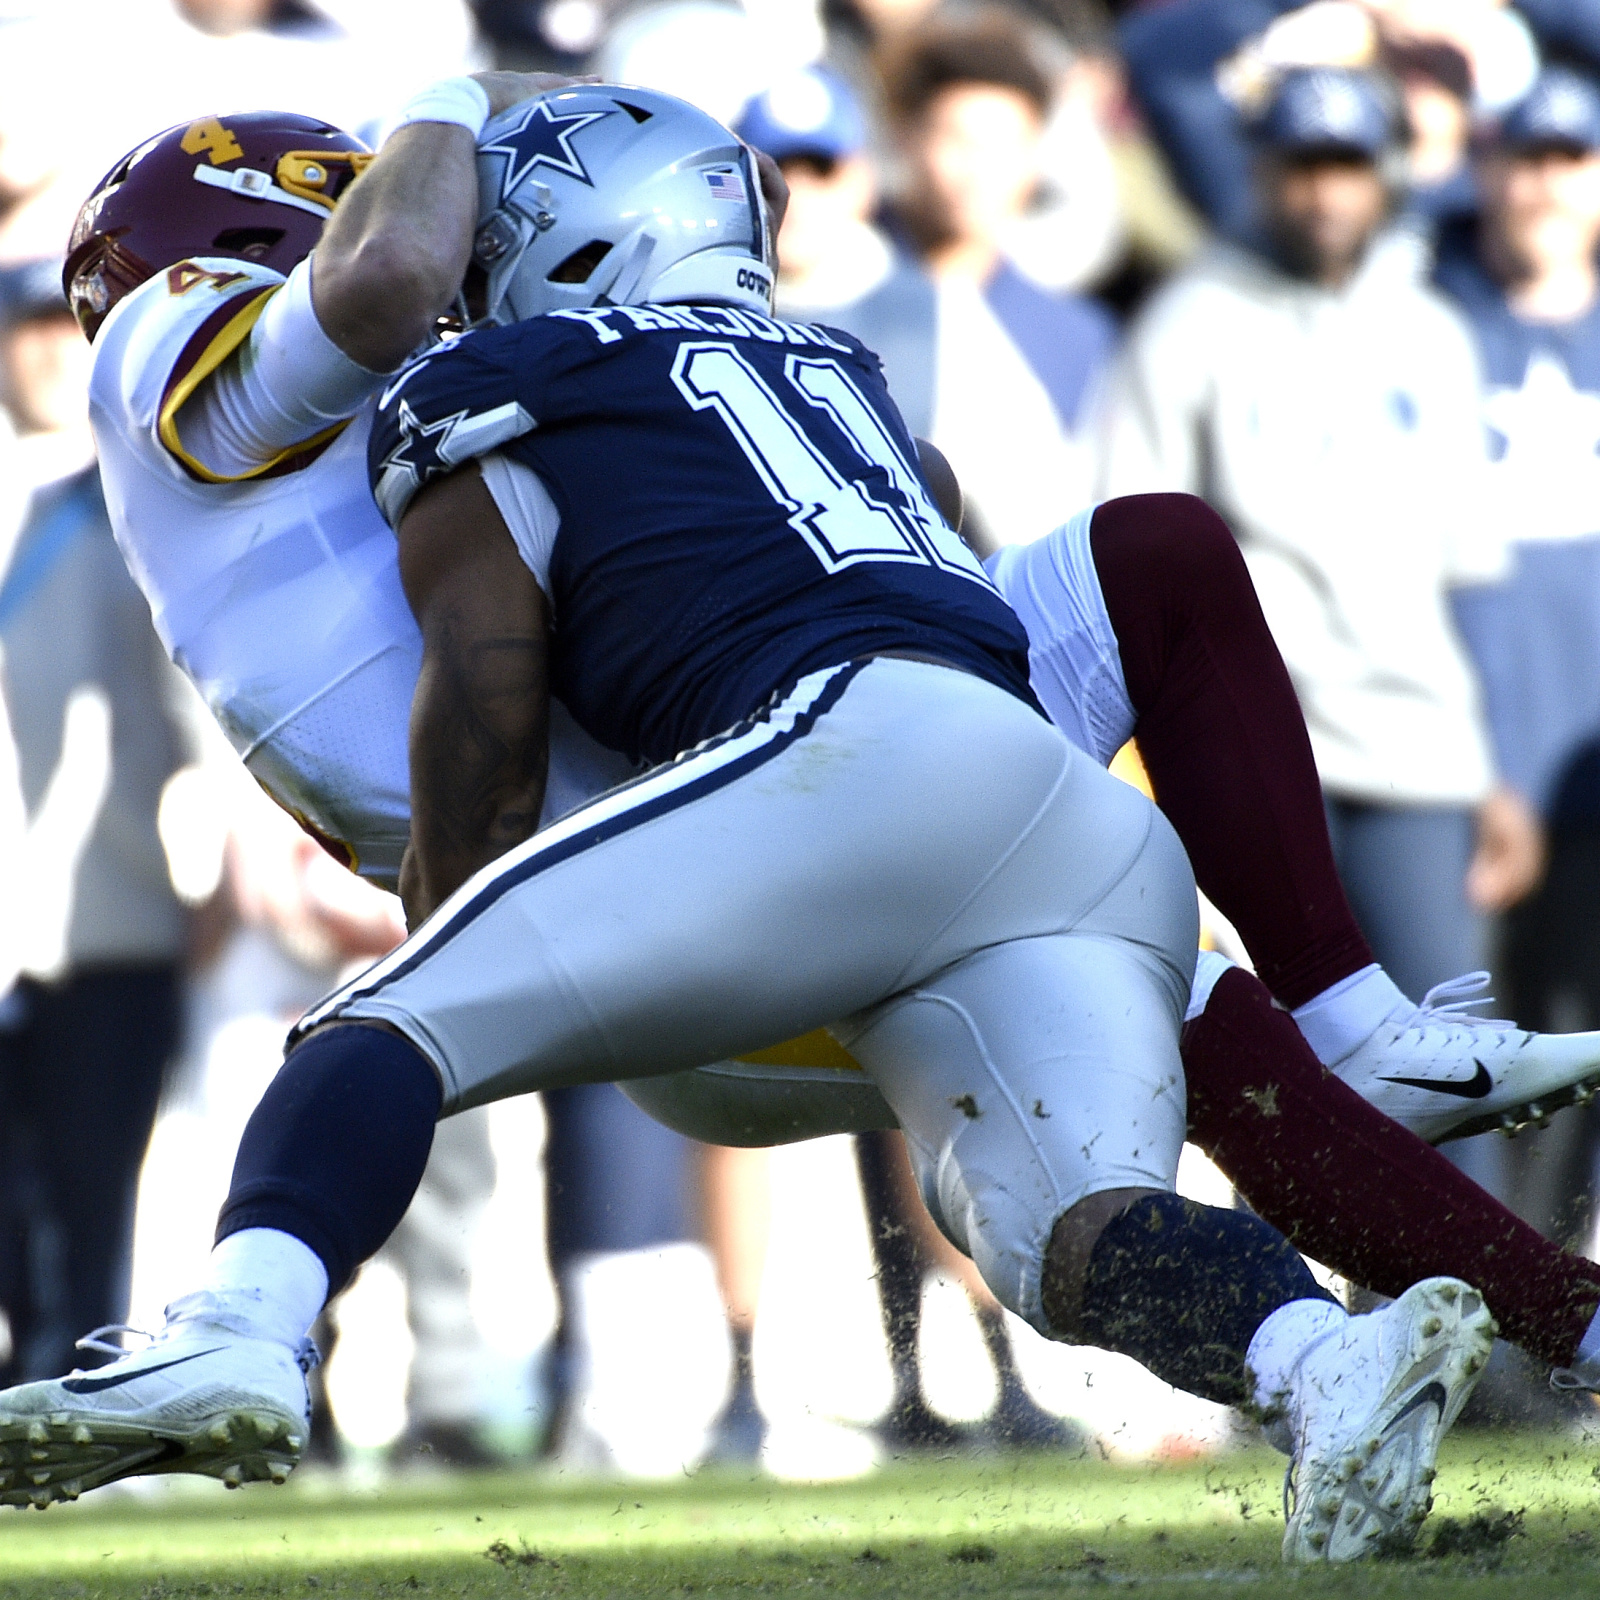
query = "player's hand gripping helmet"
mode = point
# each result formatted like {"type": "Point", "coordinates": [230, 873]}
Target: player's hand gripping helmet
{"type": "Point", "coordinates": [259, 186]}
{"type": "Point", "coordinates": [600, 195]}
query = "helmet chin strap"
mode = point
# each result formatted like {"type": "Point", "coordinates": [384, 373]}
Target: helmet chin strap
{"type": "Point", "coordinates": [256, 186]}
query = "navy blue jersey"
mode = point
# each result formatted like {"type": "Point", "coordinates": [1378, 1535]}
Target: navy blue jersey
{"type": "Point", "coordinates": [740, 504]}
{"type": "Point", "coordinates": [1535, 635]}
{"type": "Point", "coordinates": [1508, 343]}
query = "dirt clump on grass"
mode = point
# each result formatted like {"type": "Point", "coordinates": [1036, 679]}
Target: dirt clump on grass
{"type": "Point", "coordinates": [504, 1556]}
{"type": "Point", "coordinates": [1483, 1536]}
{"type": "Point", "coordinates": [973, 1553]}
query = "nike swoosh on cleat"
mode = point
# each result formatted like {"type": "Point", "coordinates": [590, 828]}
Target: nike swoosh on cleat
{"type": "Point", "coordinates": [95, 1385]}
{"type": "Point", "coordinates": [1432, 1394]}
{"type": "Point", "coordinates": [1475, 1088]}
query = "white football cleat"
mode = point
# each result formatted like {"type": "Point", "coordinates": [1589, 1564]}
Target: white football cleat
{"type": "Point", "coordinates": [1445, 1075]}
{"type": "Point", "coordinates": [204, 1396]}
{"type": "Point", "coordinates": [1368, 1404]}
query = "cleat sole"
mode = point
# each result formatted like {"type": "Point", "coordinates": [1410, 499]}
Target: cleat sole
{"type": "Point", "coordinates": [1534, 1113]}
{"type": "Point", "coordinates": [236, 1445]}
{"type": "Point", "coordinates": [1375, 1492]}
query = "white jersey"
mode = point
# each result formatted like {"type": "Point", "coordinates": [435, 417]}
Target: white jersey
{"type": "Point", "coordinates": [276, 591]}
{"type": "Point", "coordinates": [278, 595]}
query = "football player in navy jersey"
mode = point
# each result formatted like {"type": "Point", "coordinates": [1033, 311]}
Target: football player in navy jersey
{"type": "Point", "coordinates": [329, 1151]}
{"type": "Point", "coordinates": [710, 534]}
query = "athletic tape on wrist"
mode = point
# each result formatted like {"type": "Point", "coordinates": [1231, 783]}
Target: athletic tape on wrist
{"type": "Point", "coordinates": [462, 101]}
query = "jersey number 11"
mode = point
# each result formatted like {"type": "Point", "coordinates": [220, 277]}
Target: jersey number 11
{"type": "Point", "coordinates": [836, 515]}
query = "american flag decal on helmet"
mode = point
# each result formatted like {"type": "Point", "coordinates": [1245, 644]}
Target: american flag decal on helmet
{"type": "Point", "coordinates": [725, 186]}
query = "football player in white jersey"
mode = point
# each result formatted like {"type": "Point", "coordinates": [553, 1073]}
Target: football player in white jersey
{"type": "Point", "coordinates": [271, 576]}
{"type": "Point", "coordinates": [206, 450]}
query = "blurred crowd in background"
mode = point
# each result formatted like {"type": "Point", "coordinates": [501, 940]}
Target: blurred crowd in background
{"type": "Point", "coordinates": [1332, 266]}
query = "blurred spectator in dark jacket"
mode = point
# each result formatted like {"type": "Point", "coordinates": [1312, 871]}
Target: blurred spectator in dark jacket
{"type": "Point", "coordinates": [96, 933]}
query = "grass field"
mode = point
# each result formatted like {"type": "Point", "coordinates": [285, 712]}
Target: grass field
{"type": "Point", "coordinates": [1515, 1517]}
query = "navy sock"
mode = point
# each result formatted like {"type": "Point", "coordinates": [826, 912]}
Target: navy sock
{"type": "Point", "coordinates": [1182, 1289]}
{"type": "Point", "coordinates": [335, 1150]}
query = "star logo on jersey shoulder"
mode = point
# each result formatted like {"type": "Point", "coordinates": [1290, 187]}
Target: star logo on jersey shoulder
{"type": "Point", "coordinates": [423, 445]}
{"type": "Point", "coordinates": [421, 456]}
{"type": "Point", "coordinates": [543, 138]}
{"type": "Point", "coordinates": [428, 450]}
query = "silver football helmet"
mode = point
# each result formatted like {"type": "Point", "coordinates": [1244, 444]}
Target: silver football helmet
{"type": "Point", "coordinates": [603, 195]}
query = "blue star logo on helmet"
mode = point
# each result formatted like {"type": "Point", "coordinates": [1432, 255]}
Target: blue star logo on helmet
{"type": "Point", "coordinates": [543, 138]}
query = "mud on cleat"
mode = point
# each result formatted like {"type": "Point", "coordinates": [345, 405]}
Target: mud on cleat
{"type": "Point", "coordinates": [1368, 1404]}
{"type": "Point", "coordinates": [204, 1396]}
{"type": "Point", "coordinates": [1447, 1075]}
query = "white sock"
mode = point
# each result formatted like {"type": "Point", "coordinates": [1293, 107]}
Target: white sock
{"type": "Point", "coordinates": [1208, 968]}
{"type": "Point", "coordinates": [271, 1281]}
{"type": "Point", "coordinates": [1279, 1343]}
{"type": "Point", "coordinates": [1348, 1013]}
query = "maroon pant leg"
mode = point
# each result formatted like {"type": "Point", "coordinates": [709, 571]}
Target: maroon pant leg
{"type": "Point", "coordinates": [1222, 737]}
{"type": "Point", "coordinates": [1356, 1191]}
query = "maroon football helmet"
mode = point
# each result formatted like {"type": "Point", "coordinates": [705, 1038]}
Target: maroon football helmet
{"type": "Point", "coordinates": [258, 186]}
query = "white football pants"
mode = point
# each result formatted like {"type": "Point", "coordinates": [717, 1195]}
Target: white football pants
{"type": "Point", "coordinates": [1007, 932]}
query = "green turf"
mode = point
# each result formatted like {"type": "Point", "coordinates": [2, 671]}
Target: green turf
{"type": "Point", "coordinates": [1526, 1515]}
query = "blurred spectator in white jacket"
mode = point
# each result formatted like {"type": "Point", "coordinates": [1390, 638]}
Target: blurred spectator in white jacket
{"type": "Point", "coordinates": [1325, 402]}
{"type": "Point", "coordinates": [1201, 69]}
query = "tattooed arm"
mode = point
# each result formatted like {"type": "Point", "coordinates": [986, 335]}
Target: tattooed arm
{"type": "Point", "coordinates": [479, 722]}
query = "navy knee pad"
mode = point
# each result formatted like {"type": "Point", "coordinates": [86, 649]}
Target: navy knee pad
{"type": "Point", "coordinates": [1182, 1289]}
{"type": "Point", "coordinates": [335, 1150]}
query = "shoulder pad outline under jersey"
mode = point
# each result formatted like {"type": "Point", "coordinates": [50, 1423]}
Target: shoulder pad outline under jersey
{"type": "Point", "coordinates": [436, 416]}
